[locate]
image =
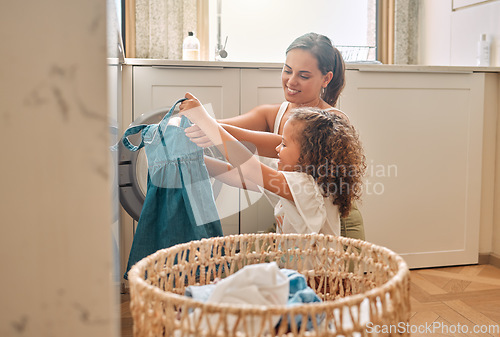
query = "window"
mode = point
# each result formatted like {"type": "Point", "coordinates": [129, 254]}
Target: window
{"type": "Point", "coordinates": [255, 30]}
{"type": "Point", "coordinates": [261, 30]}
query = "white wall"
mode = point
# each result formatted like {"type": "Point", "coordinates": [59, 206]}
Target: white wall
{"type": "Point", "coordinates": [449, 37]}
{"type": "Point", "coordinates": [467, 25]}
{"type": "Point", "coordinates": [434, 30]}
{"type": "Point", "coordinates": [55, 181]}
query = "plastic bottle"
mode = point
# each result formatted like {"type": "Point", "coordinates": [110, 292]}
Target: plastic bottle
{"type": "Point", "coordinates": [483, 51]}
{"type": "Point", "coordinates": [191, 48]}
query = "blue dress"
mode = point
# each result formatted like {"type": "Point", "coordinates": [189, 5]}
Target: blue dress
{"type": "Point", "coordinates": [179, 204]}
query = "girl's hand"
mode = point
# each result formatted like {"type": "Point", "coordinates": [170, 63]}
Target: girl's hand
{"type": "Point", "coordinates": [197, 136]}
{"type": "Point", "coordinates": [205, 131]}
{"type": "Point", "coordinates": [192, 109]}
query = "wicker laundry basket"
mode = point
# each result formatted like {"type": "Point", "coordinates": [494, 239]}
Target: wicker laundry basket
{"type": "Point", "coordinates": [364, 288]}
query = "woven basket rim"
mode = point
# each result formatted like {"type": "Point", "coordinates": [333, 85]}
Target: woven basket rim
{"type": "Point", "coordinates": [136, 280]}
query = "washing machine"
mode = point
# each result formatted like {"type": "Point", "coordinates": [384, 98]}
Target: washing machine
{"type": "Point", "coordinates": [133, 168]}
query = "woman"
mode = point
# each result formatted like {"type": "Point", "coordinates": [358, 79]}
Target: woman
{"type": "Point", "coordinates": [313, 76]}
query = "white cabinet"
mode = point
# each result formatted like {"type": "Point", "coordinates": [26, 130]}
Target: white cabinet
{"type": "Point", "coordinates": [258, 86]}
{"type": "Point", "coordinates": [422, 134]}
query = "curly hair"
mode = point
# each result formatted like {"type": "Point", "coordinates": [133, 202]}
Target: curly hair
{"type": "Point", "coordinates": [331, 152]}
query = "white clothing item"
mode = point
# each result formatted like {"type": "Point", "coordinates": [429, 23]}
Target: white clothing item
{"type": "Point", "coordinates": [260, 284]}
{"type": "Point", "coordinates": [309, 212]}
{"type": "Point", "coordinates": [279, 116]}
{"type": "Point", "coordinates": [256, 284]}
{"type": "Point", "coordinates": [271, 162]}
{"type": "Point", "coordinates": [282, 111]}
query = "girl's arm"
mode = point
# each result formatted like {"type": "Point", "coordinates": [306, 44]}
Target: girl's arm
{"type": "Point", "coordinates": [235, 152]}
{"type": "Point", "coordinates": [227, 174]}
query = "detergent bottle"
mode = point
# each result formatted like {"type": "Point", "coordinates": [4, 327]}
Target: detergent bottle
{"type": "Point", "coordinates": [483, 51]}
{"type": "Point", "coordinates": [191, 48]}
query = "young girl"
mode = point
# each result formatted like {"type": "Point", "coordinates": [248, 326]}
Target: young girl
{"type": "Point", "coordinates": [320, 168]}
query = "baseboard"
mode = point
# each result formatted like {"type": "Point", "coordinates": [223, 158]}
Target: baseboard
{"type": "Point", "coordinates": [495, 260]}
{"type": "Point", "coordinates": [483, 258]}
{"type": "Point", "coordinates": [491, 259]}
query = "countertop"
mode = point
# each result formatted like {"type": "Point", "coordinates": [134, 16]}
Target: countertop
{"type": "Point", "coordinates": [349, 66]}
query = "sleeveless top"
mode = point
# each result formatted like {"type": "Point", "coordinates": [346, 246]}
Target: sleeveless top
{"type": "Point", "coordinates": [282, 110]}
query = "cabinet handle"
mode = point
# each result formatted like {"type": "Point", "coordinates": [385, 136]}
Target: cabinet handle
{"type": "Point", "coordinates": [273, 69]}
{"type": "Point", "coordinates": [192, 68]}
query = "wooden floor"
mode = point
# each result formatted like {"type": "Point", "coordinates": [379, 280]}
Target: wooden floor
{"type": "Point", "coordinates": [462, 298]}
{"type": "Point", "coordinates": [127, 323]}
{"type": "Point", "coordinates": [450, 301]}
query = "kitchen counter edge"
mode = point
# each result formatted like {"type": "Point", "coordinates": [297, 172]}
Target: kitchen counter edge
{"type": "Point", "coordinates": [349, 66]}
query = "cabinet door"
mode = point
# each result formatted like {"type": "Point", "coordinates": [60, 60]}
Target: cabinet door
{"type": "Point", "coordinates": [258, 86]}
{"type": "Point", "coordinates": [158, 86]}
{"type": "Point", "coordinates": [155, 87]}
{"type": "Point", "coordinates": [422, 134]}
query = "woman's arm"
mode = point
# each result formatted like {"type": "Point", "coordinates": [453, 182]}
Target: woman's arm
{"type": "Point", "coordinates": [258, 142]}
{"type": "Point", "coordinates": [260, 118]}
{"type": "Point", "coordinates": [255, 127]}
{"type": "Point", "coordinates": [234, 151]}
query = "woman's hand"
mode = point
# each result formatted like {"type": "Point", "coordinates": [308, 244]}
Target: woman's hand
{"type": "Point", "coordinates": [192, 109]}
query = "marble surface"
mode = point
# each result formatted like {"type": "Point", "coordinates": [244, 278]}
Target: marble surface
{"type": "Point", "coordinates": [56, 177]}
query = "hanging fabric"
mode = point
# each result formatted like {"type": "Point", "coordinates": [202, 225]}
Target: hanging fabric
{"type": "Point", "coordinates": [179, 204]}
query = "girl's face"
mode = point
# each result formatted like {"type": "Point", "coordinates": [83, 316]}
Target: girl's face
{"type": "Point", "coordinates": [301, 78]}
{"type": "Point", "coordinates": [289, 149]}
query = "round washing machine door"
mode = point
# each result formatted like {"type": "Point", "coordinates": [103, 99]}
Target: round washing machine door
{"type": "Point", "coordinates": [133, 168]}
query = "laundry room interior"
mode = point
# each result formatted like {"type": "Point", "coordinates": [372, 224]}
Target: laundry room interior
{"type": "Point", "coordinates": [89, 87]}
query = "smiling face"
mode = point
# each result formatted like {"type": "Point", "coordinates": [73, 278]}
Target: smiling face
{"type": "Point", "coordinates": [289, 149]}
{"type": "Point", "coordinates": [301, 78]}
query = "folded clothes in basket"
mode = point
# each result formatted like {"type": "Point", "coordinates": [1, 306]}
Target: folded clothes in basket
{"type": "Point", "coordinates": [260, 284]}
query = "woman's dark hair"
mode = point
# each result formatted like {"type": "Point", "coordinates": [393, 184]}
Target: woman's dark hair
{"type": "Point", "coordinates": [329, 59]}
